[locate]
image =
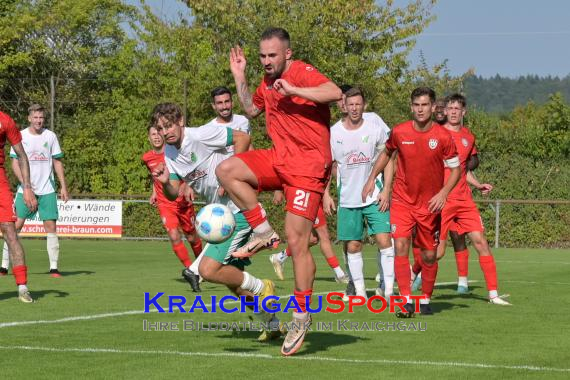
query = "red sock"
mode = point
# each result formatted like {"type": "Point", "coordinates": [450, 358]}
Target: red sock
{"type": "Point", "coordinates": [182, 253]}
{"type": "Point", "coordinates": [333, 262]}
{"type": "Point", "coordinates": [429, 273]}
{"type": "Point", "coordinates": [462, 260]}
{"type": "Point", "coordinates": [20, 274]}
{"type": "Point", "coordinates": [196, 246]}
{"type": "Point", "coordinates": [403, 276]}
{"type": "Point", "coordinates": [417, 267]}
{"type": "Point", "coordinates": [288, 252]}
{"type": "Point", "coordinates": [301, 300]}
{"type": "Point", "coordinates": [256, 216]}
{"type": "Point", "coordinates": [489, 269]}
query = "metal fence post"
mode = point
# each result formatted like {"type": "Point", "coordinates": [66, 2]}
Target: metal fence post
{"type": "Point", "coordinates": [51, 103]}
{"type": "Point", "coordinates": [497, 220]}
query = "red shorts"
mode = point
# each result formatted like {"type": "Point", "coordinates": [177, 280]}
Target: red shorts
{"type": "Point", "coordinates": [404, 218]}
{"type": "Point", "coordinates": [173, 218]}
{"type": "Point", "coordinates": [302, 194]}
{"type": "Point", "coordinates": [6, 200]}
{"type": "Point", "coordinates": [321, 219]}
{"type": "Point", "coordinates": [461, 217]}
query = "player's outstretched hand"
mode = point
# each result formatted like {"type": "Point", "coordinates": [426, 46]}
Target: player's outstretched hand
{"type": "Point", "coordinates": [328, 205]}
{"type": "Point", "coordinates": [436, 203]}
{"type": "Point", "coordinates": [237, 61]}
{"type": "Point", "coordinates": [384, 200]}
{"type": "Point", "coordinates": [30, 199]}
{"type": "Point", "coordinates": [486, 188]}
{"type": "Point", "coordinates": [160, 172]}
{"type": "Point", "coordinates": [367, 190]}
{"type": "Point", "coordinates": [283, 87]}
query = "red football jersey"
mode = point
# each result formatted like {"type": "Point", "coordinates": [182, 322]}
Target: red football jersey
{"type": "Point", "coordinates": [465, 144]}
{"type": "Point", "coordinates": [151, 159]}
{"type": "Point", "coordinates": [420, 166]}
{"type": "Point", "coordinates": [299, 128]}
{"type": "Point", "coordinates": [8, 131]}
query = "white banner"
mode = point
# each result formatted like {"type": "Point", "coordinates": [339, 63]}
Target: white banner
{"type": "Point", "coordinates": [82, 218]}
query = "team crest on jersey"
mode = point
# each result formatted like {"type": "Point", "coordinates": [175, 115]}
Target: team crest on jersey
{"type": "Point", "coordinates": [365, 139]}
{"type": "Point", "coordinates": [432, 143]}
{"type": "Point", "coordinates": [309, 68]}
{"type": "Point", "coordinates": [464, 142]}
{"type": "Point", "coordinates": [193, 157]}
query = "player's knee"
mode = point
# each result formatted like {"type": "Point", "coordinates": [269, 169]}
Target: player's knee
{"type": "Point", "coordinates": [225, 169]}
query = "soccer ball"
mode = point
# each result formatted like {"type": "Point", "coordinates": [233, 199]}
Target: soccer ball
{"type": "Point", "coordinates": [215, 223]}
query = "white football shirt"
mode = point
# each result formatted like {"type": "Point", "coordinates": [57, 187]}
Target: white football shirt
{"type": "Point", "coordinates": [238, 123]}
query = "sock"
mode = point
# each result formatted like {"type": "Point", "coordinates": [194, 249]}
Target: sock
{"type": "Point", "coordinates": [387, 259]}
{"type": "Point", "coordinates": [182, 253]}
{"type": "Point", "coordinates": [424, 301]}
{"type": "Point", "coordinates": [195, 265]}
{"type": "Point", "coordinates": [462, 281]}
{"type": "Point", "coordinates": [196, 246]}
{"type": "Point", "coordinates": [5, 256]}
{"type": "Point", "coordinates": [22, 288]}
{"type": "Point", "coordinates": [339, 272]}
{"type": "Point", "coordinates": [403, 275]}
{"type": "Point", "coordinates": [489, 269]}
{"type": "Point", "coordinates": [252, 284]}
{"type": "Point", "coordinates": [257, 219]}
{"type": "Point", "coordinates": [20, 274]}
{"type": "Point", "coordinates": [379, 261]}
{"type": "Point", "coordinates": [345, 255]}
{"type": "Point", "coordinates": [355, 263]}
{"type": "Point", "coordinates": [300, 298]}
{"type": "Point", "coordinates": [417, 267]}
{"type": "Point", "coordinates": [53, 249]}
{"type": "Point", "coordinates": [429, 273]}
{"type": "Point", "coordinates": [332, 261]}
{"type": "Point", "coordinates": [462, 261]}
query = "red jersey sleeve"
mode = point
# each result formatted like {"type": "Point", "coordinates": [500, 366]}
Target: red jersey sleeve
{"type": "Point", "coordinates": [391, 144]}
{"type": "Point", "coordinates": [449, 150]}
{"type": "Point", "coordinates": [12, 132]}
{"type": "Point", "coordinates": [259, 98]}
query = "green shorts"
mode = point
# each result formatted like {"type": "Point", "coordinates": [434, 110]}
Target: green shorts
{"type": "Point", "coordinates": [47, 207]}
{"type": "Point", "coordinates": [350, 224]}
{"type": "Point", "coordinates": [221, 252]}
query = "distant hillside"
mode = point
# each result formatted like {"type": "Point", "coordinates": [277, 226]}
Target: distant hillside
{"type": "Point", "coordinates": [500, 95]}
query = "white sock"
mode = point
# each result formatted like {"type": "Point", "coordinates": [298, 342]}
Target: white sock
{"type": "Point", "coordinates": [424, 301]}
{"type": "Point", "coordinates": [196, 264]}
{"type": "Point", "coordinates": [5, 256]}
{"type": "Point", "coordinates": [462, 281]}
{"type": "Point", "coordinates": [282, 256]}
{"type": "Point", "coordinates": [380, 270]}
{"type": "Point", "coordinates": [252, 284]}
{"type": "Point", "coordinates": [303, 316]}
{"type": "Point", "coordinates": [339, 272]}
{"type": "Point", "coordinates": [493, 293]}
{"type": "Point", "coordinates": [345, 255]}
{"type": "Point", "coordinates": [356, 264]}
{"type": "Point", "coordinates": [53, 250]}
{"type": "Point", "coordinates": [22, 288]}
{"type": "Point", "coordinates": [387, 259]}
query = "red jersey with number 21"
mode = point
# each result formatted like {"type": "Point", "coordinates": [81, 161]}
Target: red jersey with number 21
{"type": "Point", "coordinates": [299, 128]}
{"type": "Point", "coordinates": [420, 163]}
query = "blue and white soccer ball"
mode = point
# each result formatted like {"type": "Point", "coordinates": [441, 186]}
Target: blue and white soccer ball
{"type": "Point", "coordinates": [215, 223]}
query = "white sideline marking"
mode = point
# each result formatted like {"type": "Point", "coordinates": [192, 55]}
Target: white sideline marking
{"type": "Point", "coordinates": [306, 358]}
{"type": "Point", "coordinates": [135, 312]}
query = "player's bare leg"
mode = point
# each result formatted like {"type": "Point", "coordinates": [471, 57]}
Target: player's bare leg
{"type": "Point", "coordinates": [487, 263]}
{"type": "Point", "coordinates": [52, 243]}
{"type": "Point", "coordinates": [327, 250]}
{"type": "Point", "coordinates": [298, 230]}
{"type": "Point", "coordinates": [17, 257]}
{"type": "Point", "coordinates": [6, 251]}
{"type": "Point", "coordinates": [241, 185]}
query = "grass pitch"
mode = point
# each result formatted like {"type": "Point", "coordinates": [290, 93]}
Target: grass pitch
{"type": "Point", "coordinates": [89, 323]}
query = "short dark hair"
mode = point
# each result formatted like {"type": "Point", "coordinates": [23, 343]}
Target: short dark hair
{"type": "Point", "coordinates": [279, 33]}
{"type": "Point", "coordinates": [220, 90]}
{"type": "Point", "coordinates": [354, 91]}
{"type": "Point", "coordinates": [344, 88]}
{"type": "Point", "coordinates": [170, 111]}
{"type": "Point", "coordinates": [456, 98]}
{"type": "Point", "coordinates": [36, 108]}
{"type": "Point", "coordinates": [422, 91]}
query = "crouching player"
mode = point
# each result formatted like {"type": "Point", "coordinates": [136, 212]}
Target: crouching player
{"type": "Point", "coordinates": [191, 156]}
{"type": "Point", "coordinates": [175, 215]}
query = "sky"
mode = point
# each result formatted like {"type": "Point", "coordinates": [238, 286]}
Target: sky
{"type": "Point", "coordinates": [506, 37]}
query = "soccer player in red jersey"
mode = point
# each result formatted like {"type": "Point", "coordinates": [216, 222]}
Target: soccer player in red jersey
{"type": "Point", "coordinates": [176, 215]}
{"type": "Point", "coordinates": [294, 96]}
{"type": "Point", "coordinates": [419, 194]}
{"type": "Point", "coordinates": [9, 131]}
{"type": "Point", "coordinates": [460, 213]}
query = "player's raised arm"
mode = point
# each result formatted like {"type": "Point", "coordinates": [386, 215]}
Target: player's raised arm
{"type": "Point", "coordinates": [237, 66]}
{"type": "Point", "coordinates": [325, 93]}
{"type": "Point", "coordinates": [170, 185]}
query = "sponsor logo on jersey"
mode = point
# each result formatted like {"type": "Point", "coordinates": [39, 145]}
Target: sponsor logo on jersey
{"type": "Point", "coordinates": [309, 68]}
{"type": "Point", "coordinates": [194, 175]}
{"type": "Point", "coordinates": [464, 142]}
{"type": "Point", "coordinates": [365, 139]}
{"type": "Point", "coordinates": [357, 159]}
{"type": "Point", "coordinates": [432, 143]}
{"type": "Point", "coordinates": [407, 143]}
{"type": "Point", "coordinates": [37, 156]}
